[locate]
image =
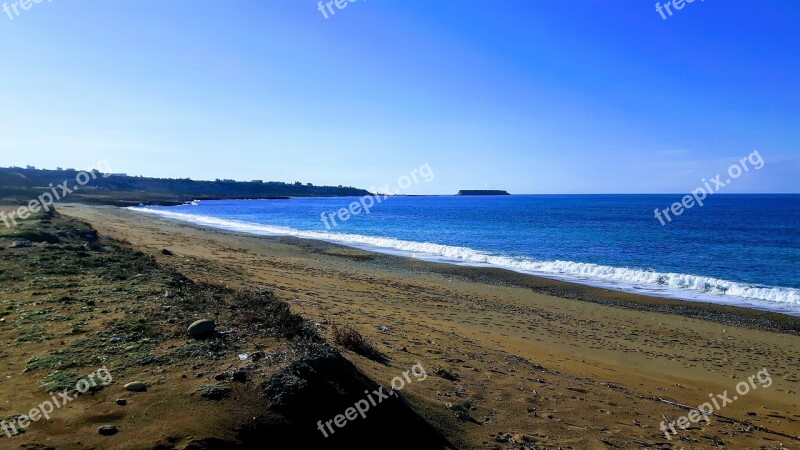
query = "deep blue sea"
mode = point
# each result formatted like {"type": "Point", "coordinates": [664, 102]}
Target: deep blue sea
{"type": "Point", "coordinates": [736, 249]}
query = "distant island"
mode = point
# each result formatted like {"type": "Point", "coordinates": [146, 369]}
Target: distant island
{"type": "Point", "coordinates": [482, 192]}
{"type": "Point", "coordinates": [17, 183]}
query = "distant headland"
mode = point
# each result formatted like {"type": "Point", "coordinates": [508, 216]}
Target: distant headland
{"type": "Point", "coordinates": [482, 192]}
{"type": "Point", "coordinates": [17, 183]}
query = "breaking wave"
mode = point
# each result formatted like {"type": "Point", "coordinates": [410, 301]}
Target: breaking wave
{"type": "Point", "coordinates": [622, 278]}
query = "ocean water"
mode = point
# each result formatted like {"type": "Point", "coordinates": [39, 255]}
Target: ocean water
{"type": "Point", "coordinates": [736, 249]}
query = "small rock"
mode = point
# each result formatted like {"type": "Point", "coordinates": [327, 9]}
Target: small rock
{"type": "Point", "coordinates": [239, 376]}
{"type": "Point", "coordinates": [115, 340]}
{"type": "Point", "coordinates": [22, 243]}
{"type": "Point", "coordinates": [383, 329]}
{"type": "Point", "coordinates": [122, 402]}
{"type": "Point", "coordinates": [168, 294]}
{"type": "Point", "coordinates": [108, 430]}
{"type": "Point", "coordinates": [202, 328]}
{"type": "Point", "coordinates": [136, 386]}
{"type": "Point", "coordinates": [166, 252]}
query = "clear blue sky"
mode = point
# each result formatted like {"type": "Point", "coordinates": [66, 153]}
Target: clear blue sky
{"type": "Point", "coordinates": [591, 96]}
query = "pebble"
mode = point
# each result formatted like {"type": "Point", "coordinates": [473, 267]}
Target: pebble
{"type": "Point", "coordinates": [107, 430]}
{"type": "Point", "coordinates": [136, 386]}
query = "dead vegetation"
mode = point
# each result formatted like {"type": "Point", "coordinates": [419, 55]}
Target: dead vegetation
{"type": "Point", "coordinates": [350, 338]}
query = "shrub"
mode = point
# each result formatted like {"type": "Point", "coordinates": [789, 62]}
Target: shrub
{"type": "Point", "coordinates": [349, 338]}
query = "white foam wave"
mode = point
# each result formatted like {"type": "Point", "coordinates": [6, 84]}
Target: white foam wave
{"type": "Point", "coordinates": [671, 284]}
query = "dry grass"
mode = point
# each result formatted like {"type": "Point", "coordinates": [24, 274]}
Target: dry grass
{"type": "Point", "coordinates": [349, 338]}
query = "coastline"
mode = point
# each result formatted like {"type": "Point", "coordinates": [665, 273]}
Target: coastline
{"type": "Point", "coordinates": [572, 283]}
{"type": "Point", "coordinates": [560, 363]}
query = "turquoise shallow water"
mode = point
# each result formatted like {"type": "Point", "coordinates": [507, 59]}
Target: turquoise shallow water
{"type": "Point", "coordinates": [736, 249]}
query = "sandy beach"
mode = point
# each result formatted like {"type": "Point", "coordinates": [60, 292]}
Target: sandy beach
{"type": "Point", "coordinates": [520, 360]}
{"type": "Point", "coordinates": [363, 225]}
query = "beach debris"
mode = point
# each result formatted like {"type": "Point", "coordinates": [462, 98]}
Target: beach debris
{"type": "Point", "coordinates": [107, 430]}
{"type": "Point", "coordinates": [136, 386]}
{"type": "Point", "coordinates": [609, 443]}
{"type": "Point", "coordinates": [202, 327]}
{"type": "Point", "coordinates": [22, 243]}
{"type": "Point", "coordinates": [447, 374]}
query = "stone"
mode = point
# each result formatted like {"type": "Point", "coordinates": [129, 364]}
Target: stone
{"type": "Point", "coordinates": [202, 328]}
{"type": "Point", "coordinates": [108, 430]}
{"type": "Point", "coordinates": [22, 243]}
{"type": "Point", "coordinates": [239, 376]}
{"type": "Point", "coordinates": [136, 386]}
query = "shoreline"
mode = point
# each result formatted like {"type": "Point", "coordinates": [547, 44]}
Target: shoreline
{"type": "Point", "coordinates": [565, 286]}
{"type": "Point", "coordinates": [534, 356]}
